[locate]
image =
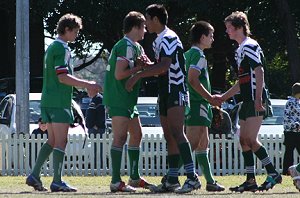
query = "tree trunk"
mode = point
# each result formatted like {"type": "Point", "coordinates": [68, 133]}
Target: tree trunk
{"type": "Point", "coordinates": [288, 23]}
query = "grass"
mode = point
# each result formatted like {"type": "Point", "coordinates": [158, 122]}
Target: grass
{"type": "Point", "coordinates": [14, 186]}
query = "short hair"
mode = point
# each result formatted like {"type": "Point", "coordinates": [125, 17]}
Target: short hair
{"type": "Point", "coordinates": [70, 21]}
{"type": "Point", "coordinates": [133, 19]}
{"type": "Point", "coordinates": [295, 89]}
{"type": "Point", "coordinates": [239, 19]}
{"type": "Point", "coordinates": [41, 121]}
{"type": "Point", "coordinates": [159, 11]}
{"type": "Point", "coordinates": [198, 29]}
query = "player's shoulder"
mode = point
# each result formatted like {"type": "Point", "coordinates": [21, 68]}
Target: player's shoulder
{"type": "Point", "coordinates": [170, 35]}
{"type": "Point", "coordinates": [195, 52]}
{"type": "Point", "coordinates": [56, 47]}
{"type": "Point", "coordinates": [251, 43]}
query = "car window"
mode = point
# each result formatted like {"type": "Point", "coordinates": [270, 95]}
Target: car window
{"type": "Point", "coordinates": [278, 110]}
{"type": "Point", "coordinates": [277, 118]}
{"type": "Point", "coordinates": [3, 105]}
{"type": "Point", "coordinates": [34, 110]}
{"type": "Point", "coordinates": [148, 114]}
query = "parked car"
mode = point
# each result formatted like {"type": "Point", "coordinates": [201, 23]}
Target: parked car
{"type": "Point", "coordinates": [8, 120]}
{"type": "Point", "coordinates": [271, 125]}
{"type": "Point", "coordinates": [8, 114]}
{"type": "Point", "coordinates": [149, 116]}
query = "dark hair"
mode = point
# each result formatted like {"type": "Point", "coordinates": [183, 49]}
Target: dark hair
{"type": "Point", "coordinates": [133, 19]}
{"type": "Point", "coordinates": [70, 21]}
{"type": "Point", "coordinates": [41, 121]}
{"type": "Point", "coordinates": [295, 89]}
{"type": "Point", "coordinates": [159, 11]}
{"type": "Point", "coordinates": [198, 29]}
{"type": "Point", "coordinates": [239, 20]}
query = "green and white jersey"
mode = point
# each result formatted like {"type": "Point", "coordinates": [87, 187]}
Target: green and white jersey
{"type": "Point", "coordinates": [115, 94]}
{"type": "Point", "coordinates": [248, 56]}
{"type": "Point", "coordinates": [56, 61]}
{"type": "Point", "coordinates": [168, 44]}
{"type": "Point", "coordinates": [195, 59]}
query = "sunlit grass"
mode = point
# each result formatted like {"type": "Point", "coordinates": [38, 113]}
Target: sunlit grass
{"type": "Point", "coordinates": [98, 186]}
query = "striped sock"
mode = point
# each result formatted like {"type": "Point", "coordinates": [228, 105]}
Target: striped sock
{"type": "Point", "coordinates": [186, 156]}
{"type": "Point", "coordinates": [263, 156]}
{"type": "Point", "coordinates": [249, 164]}
{"type": "Point", "coordinates": [173, 168]}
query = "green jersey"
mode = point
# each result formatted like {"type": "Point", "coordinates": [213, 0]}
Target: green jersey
{"type": "Point", "coordinates": [195, 59]}
{"type": "Point", "coordinates": [56, 61]}
{"type": "Point", "coordinates": [115, 94]}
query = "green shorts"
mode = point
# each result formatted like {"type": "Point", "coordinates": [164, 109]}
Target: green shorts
{"type": "Point", "coordinates": [117, 111]}
{"type": "Point", "coordinates": [248, 110]}
{"type": "Point", "coordinates": [173, 99]}
{"type": "Point", "coordinates": [57, 115]}
{"type": "Point", "coordinates": [200, 114]}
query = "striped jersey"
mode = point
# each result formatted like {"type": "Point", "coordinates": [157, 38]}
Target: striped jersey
{"type": "Point", "coordinates": [57, 60]}
{"type": "Point", "coordinates": [168, 44]}
{"type": "Point", "coordinates": [248, 56]}
{"type": "Point", "coordinates": [195, 59]}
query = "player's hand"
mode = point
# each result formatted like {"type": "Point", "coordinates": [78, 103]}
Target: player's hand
{"type": "Point", "coordinates": [143, 61]}
{"type": "Point", "coordinates": [216, 100]}
{"type": "Point", "coordinates": [259, 106]}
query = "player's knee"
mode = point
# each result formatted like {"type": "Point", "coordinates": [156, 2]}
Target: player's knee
{"type": "Point", "coordinates": [119, 140]}
{"type": "Point", "coordinates": [245, 141]}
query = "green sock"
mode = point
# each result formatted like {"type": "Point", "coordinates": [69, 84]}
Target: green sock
{"type": "Point", "coordinates": [58, 160]}
{"type": "Point", "coordinates": [263, 156]}
{"type": "Point", "coordinates": [134, 155]}
{"type": "Point", "coordinates": [202, 158]}
{"type": "Point", "coordinates": [42, 157]}
{"type": "Point", "coordinates": [116, 158]}
{"type": "Point", "coordinates": [186, 156]}
{"type": "Point", "coordinates": [249, 164]}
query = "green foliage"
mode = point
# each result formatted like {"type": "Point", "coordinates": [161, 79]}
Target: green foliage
{"type": "Point", "coordinates": [102, 24]}
{"type": "Point", "coordinates": [278, 76]}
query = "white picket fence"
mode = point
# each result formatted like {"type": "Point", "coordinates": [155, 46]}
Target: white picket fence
{"type": "Point", "coordinates": [225, 155]}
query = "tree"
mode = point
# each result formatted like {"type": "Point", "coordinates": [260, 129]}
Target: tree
{"type": "Point", "coordinates": [102, 21]}
{"type": "Point", "coordinates": [288, 23]}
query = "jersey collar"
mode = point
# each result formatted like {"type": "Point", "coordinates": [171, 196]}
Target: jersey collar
{"type": "Point", "coordinates": [163, 32]}
{"type": "Point", "coordinates": [130, 41]}
{"type": "Point", "coordinates": [62, 42]}
{"type": "Point", "coordinates": [197, 48]}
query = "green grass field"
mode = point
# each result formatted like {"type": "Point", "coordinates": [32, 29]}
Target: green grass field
{"type": "Point", "coordinates": [99, 187]}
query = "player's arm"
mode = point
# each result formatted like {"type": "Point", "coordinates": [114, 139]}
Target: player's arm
{"type": "Point", "coordinates": [156, 69]}
{"type": "Point", "coordinates": [193, 78]}
{"type": "Point", "coordinates": [231, 92]}
{"type": "Point", "coordinates": [259, 76]}
{"type": "Point", "coordinates": [71, 80]}
{"type": "Point", "coordinates": [123, 71]}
